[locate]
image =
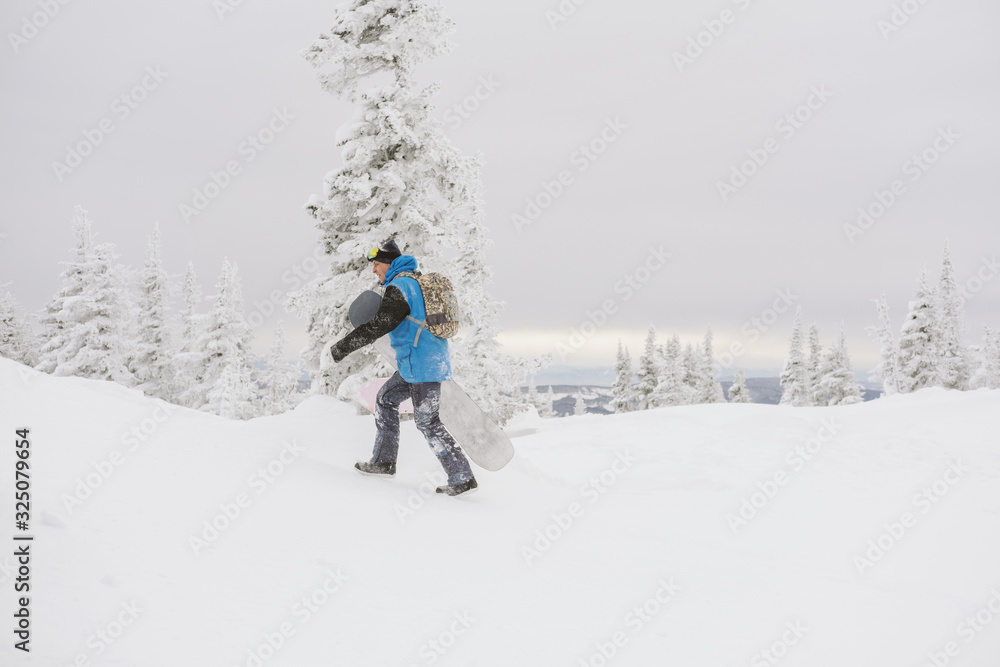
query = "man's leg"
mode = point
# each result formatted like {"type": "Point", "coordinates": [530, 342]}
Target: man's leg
{"type": "Point", "coordinates": [393, 392]}
{"type": "Point", "coordinates": [426, 399]}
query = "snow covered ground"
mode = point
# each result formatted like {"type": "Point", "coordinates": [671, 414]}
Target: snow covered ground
{"type": "Point", "coordinates": [717, 535]}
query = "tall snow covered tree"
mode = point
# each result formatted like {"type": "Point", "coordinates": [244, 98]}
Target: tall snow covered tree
{"type": "Point", "coordinates": [85, 324]}
{"type": "Point", "coordinates": [648, 374]}
{"type": "Point", "coordinates": [887, 370]}
{"type": "Point", "coordinates": [953, 364]}
{"type": "Point", "coordinates": [277, 379]}
{"type": "Point", "coordinates": [793, 375]}
{"type": "Point", "coordinates": [918, 353]}
{"type": "Point", "coordinates": [709, 389]}
{"type": "Point", "coordinates": [400, 178]}
{"type": "Point", "coordinates": [691, 363]}
{"type": "Point", "coordinates": [16, 341]}
{"type": "Point", "coordinates": [190, 358]}
{"type": "Point", "coordinates": [836, 384]}
{"type": "Point", "coordinates": [738, 392]}
{"type": "Point", "coordinates": [813, 367]}
{"type": "Point", "coordinates": [621, 393]}
{"type": "Point", "coordinates": [670, 387]}
{"type": "Point", "coordinates": [226, 387]}
{"type": "Point", "coordinates": [152, 360]}
{"type": "Point", "coordinates": [580, 406]}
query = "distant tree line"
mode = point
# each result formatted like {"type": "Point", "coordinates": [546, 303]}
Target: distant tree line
{"type": "Point", "coordinates": [108, 322]}
{"type": "Point", "coordinates": [928, 352]}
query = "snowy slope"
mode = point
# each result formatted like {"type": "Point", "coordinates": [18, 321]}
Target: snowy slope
{"type": "Point", "coordinates": [645, 560]}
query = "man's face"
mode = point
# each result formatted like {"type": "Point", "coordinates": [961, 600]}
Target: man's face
{"type": "Point", "coordinates": [379, 269]}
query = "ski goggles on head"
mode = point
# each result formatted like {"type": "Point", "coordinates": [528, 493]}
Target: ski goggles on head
{"type": "Point", "coordinates": [372, 254]}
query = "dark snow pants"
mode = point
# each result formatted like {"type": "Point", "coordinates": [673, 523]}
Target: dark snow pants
{"type": "Point", "coordinates": [426, 398]}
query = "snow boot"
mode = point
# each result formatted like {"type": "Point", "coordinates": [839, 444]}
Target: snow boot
{"type": "Point", "coordinates": [376, 469]}
{"type": "Point", "coordinates": [458, 489]}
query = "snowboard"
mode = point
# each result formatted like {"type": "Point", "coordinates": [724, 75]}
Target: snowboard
{"type": "Point", "coordinates": [475, 431]}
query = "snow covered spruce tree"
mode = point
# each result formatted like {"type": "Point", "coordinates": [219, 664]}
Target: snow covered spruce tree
{"type": "Point", "coordinates": [277, 380]}
{"type": "Point", "coordinates": [189, 361]}
{"type": "Point", "coordinates": [814, 366]}
{"type": "Point", "coordinates": [670, 387]}
{"type": "Point", "coordinates": [794, 380]}
{"type": "Point", "coordinates": [547, 408]}
{"type": "Point", "coordinates": [918, 352]}
{"type": "Point", "coordinates": [580, 406]}
{"type": "Point", "coordinates": [621, 393]}
{"type": "Point", "coordinates": [953, 364]}
{"type": "Point", "coordinates": [400, 178]}
{"type": "Point", "coordinates": [648, 374]}
{"type": "Point", "coordinates": [225, 386]}
{"type": "Point", "coordinates": [988, 375]}
{"type": "Point", "coordinates": [85, 325]}
{"type": "Point", "coordinates": [709, 389]}
{"type": "Point", "coordinates": [738, 392]}
{"type": "Point", "coordinates": [16, 341]}
{"type": "Point", "coordinates": [691, 364]}
{"type": "Point", "coordinates": [887, 370]}
{"type": "Point", "coordinates": [533, 398]}
{"type": "Point", "coordinates": [152, 360]}
{"type": "Point", "coordinates": [836, 385]}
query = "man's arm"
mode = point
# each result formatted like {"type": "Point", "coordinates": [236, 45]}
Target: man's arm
{"type": "Point", "coordinates": [391, 313]}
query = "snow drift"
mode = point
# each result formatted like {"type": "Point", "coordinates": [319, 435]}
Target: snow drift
{"type": "Point", "coordinates": [703, 535]}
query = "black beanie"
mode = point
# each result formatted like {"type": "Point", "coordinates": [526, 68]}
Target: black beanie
{"type": "Point", "coordinates": [386, 252]}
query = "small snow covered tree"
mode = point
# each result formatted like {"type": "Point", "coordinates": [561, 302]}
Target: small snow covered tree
{"type": "Point", "coordinates": [836, 384]}
{"type": "Point", "coordinates": [709, 389]}
{"type": "Point", "coordinates": [887, 370]}
{"type": "Point", "coordinates": [227, 387]}
{"type": "Point", "coordinates": [988, 375]}
{"type": "Point", "coordinates": [953, 364]}
{"type": "Point", "coordinates": [533, 399]}
{"type": "Point", "coordinates": [277, 379]}
{"type": "Point", "coordinates": [86, 323]}
{"type": "Point", "coordinates": [401, 178]}
{"type": "Point", "coordinates": [648, 374]}
{"type": "Point", "coordinates": [152, 360]}
{"type": "Point", "coordinates": [621, 392]}
{"type": "Point", "coordinates": [793, 375]}
{"type": "Point", "coordinates": [738, 392]}
{"type": "Point", "coordinates": [918, 353]}
{"type": "Point", "coordinates": [580, 407]}
{"type": "Point", "coordinates": [692, 372]}
{"type": "Point", "coordinates": [670, 387]}
{"type": "Point", "coordinates": [233, 395]}
{"type": "Point", "coordinates": [16, 341]}
{"type": "Point", "coordinates": [547, 408]}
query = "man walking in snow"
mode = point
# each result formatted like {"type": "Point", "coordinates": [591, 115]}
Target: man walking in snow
{"type": "Point", "coordinates": [424, 363]}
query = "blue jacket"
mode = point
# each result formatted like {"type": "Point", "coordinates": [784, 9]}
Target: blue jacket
{"type": "Point", "coordinates": [430, 360]}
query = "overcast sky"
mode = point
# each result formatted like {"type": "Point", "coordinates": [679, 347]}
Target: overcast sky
{"type": "Point", "coordinates": [867, 88]}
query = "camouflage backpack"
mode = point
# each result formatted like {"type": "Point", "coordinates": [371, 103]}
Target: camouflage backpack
{"type": "Point", "coordinates": [440, 305]}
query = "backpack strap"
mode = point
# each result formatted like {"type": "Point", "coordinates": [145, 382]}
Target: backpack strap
{"type": "Point", "coordinates": [420, 327]}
